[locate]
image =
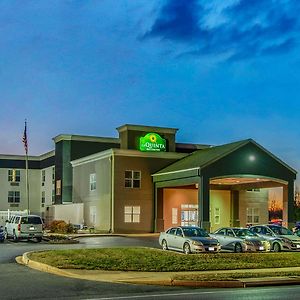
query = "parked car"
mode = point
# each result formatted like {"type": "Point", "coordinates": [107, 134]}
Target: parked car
{"type": "Point", "coordinates": [280, 237]}
{"type": "Point", "coordinates": [24, 227]}
{"type": "Point", "coordinates": [240, 240]}
{"type": "Point", "coordinates": [188, 239]}
{"type": "Point", "coordinates": [2, 235]}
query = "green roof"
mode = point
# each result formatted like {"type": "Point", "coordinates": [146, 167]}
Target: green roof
{"type": "Point", "coordinates": [203, 157]}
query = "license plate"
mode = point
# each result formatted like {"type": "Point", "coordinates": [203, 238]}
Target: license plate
{"type": "Point", "coordinates": [261, 248]}
{"type": "Point", "coordinates": [298, 246]}
{"type": "Point", "coordinates": [31, 228]}
{"type": "Point", "coordinates": [211, 249]}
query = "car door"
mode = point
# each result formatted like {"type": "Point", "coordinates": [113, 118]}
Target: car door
{"type": "Point", "coordinates": [219, 235]}
{"type": "Point", "coordinates": [179, 239]}
{"type": "Point", "coordinates": [9, 225]}
{"type": "Point", "coordinates": [171, 237]}
{"type": "Point", "coordinates": [229, 239]}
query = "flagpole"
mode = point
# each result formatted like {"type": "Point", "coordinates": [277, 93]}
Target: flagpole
{"type": "Point", "coordinates": [25, 142]}
{"type": "Point", "coordinates": [27, 184]}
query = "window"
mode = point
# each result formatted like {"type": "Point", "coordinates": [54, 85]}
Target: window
{"type": "Point", "coordinates": [252, 215]}
{"type": "Point", "coordinates": [14, 175]}
{"type": "Point", "coordinates": [189, 214]}
{"type": "Point", "coordinates": [43, 197]}
{"type": "Point", "coordinates": [13, 197]}
{"type": "Point", "coordinates": [133, 179]}
{"type": "Point", "coordinates": [174, 215]}
{"type": "Point", "coordinates": [43, 177]}
{"type": "Point", "coordinates": [53, 196]}
{"type": "Point", "coordinates": [53, 174]}
{"type": "Point", "coordinates": [58, 187]}
{"type": "Point", "coordinates": [217, 215]}
{"type": "Point", "coordinates": [92, 182]}
{"type": "Point", "coordinates": [132, 214]}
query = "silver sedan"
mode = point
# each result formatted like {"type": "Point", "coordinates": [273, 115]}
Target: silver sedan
{"type": "Point", "coordinates": [189, 239]}
{"type": "Point", "coordinates": [240, 240]}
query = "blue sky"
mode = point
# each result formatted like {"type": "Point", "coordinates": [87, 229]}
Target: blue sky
{"type": "Point", "coordinates": [219, 71]}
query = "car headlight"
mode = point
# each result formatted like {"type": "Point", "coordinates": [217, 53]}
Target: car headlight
{"type": "Point", "coordinates": [196, 243]}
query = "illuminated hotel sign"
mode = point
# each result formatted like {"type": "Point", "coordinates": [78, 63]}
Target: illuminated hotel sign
{"type": "Point", "coordinates": [152, 142]}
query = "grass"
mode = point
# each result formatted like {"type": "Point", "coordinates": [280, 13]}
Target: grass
{"type": "Point", "coordinates": [233, 276]}
{"type": "Point", "coordinates": [156, 260]}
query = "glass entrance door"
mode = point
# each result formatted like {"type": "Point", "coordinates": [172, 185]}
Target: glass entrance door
{"type": "Point", "coordinates": [189, 215]}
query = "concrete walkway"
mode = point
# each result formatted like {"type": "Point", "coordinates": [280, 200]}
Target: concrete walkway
{"type": "Point", "coordinates": [165, 278]}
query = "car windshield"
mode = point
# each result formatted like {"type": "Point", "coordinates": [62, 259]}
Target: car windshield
{"type": "Point", "coordinates": [243, 232]}
{"type": "Point", "coordinates": [31, 220]}
{"type": "Point", "coordinates": [281, 230]}
{"type": "Point", "coordinates": [195, 232]}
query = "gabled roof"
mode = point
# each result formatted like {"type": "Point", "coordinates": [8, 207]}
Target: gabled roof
{"type": "Point", "coordinates": [208, 156]}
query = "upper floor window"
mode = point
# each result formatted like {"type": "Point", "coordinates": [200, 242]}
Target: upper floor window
{"type": "Point", "coordinates": [92, 182]}
{"type": "Point", "coordinates": [53, 174]}
{"type": "Point", "coordinates": [132, 179]}
{"type": "Point", "coordinates": [43, 197]}
{"type": "Point", "coordinates": [13, 197]}
{"type": "Point", "coordinates": [43, 176]}
{"type": "Point", "coordinates": [58, 187]}
{"type": "Point", "coordinates": [14, 175]}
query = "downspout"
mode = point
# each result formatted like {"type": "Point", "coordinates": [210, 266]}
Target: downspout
{"type": "Point", "coordinates": [112, 177]}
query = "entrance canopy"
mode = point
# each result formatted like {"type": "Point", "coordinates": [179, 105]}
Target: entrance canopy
{"type": "Point", "coordinates": [240, 165]}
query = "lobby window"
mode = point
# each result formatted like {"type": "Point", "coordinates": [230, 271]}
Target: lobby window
{"type": "Point", "coordinates": [92, 182]}
{"type": "Point", "coordinates": [43, 198]}
{"type": "Point", "coordinates": [58, 187]}
{"type": "Point", "coordinates": [252, 215]}
{"type": "Point", "coordinates": [13, 197]}
{"type": "Point", "coordinates": [132, 214]}
{"type": "Point", "coordinates": [43, 177]}
{"type": "Point", "coordinates": [14, 175]}
{"type": "Point", "coordinates": [174, 216]}
{"type": "Point", "coordinates": [132, 179]}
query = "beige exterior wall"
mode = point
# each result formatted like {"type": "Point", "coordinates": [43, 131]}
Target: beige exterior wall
{"type": "Point", "coordinates": [48, 188]}
{"type": "Point", "coordinates": [220, 209]}
{"type": "Point", "coordinates": [253, 200]}
{"type": "Point", "coordinates": [34, 191]}
{"type": "Point", "coordinates": [97, 203]}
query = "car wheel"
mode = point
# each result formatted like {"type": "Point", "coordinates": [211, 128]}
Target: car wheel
{"type": "Point", "coordinates": [276, 247]}
{"type": "Point", "coordinates": [238, 248]}
{"type": "Point", "coordinates": [15, 238]}
{"type": "Point", "coordinates": [2, 241]}
{"type": "Point", "coordinates": [186, 248]}
{"type": "Point", "coordinates": [164, 245]}
{"type": "Point", "coordinates": [39, 239]}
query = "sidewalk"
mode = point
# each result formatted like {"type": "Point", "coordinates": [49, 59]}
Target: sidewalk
{"type": "Point", "coordinates": [164, 278]}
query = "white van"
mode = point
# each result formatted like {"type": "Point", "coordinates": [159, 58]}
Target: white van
{"type": "Point", "coordinates": [24, 227]}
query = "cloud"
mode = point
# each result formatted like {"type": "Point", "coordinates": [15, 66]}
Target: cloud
{"type": "Point", "coordinates": [240, 30]}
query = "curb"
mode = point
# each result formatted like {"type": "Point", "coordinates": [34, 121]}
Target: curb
{"type": "Point", "coordinates": [238, 283]}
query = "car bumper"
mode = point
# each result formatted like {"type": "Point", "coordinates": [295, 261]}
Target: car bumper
{"type": "Point", "coordinates": [23, 235]}
{"type": "Point", "coordinates": [291, 247]}
{"type": "Point", "coordinates": [198, 249]}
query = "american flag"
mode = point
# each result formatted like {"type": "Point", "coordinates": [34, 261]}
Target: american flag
{"type": "Point", "coordinates": [25, 139]}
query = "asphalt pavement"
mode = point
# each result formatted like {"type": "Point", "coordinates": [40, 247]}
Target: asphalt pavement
{"type": "Point", "coordinates": [20, 282]}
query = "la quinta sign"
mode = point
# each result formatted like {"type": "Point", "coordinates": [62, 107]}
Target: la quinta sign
{"type": "Point", "coordinates": [152, 142]}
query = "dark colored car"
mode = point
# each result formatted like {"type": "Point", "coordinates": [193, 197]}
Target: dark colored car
{"type": "Point", "coordinates": [2, 235]}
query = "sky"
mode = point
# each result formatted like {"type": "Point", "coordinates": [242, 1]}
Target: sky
{"type": "Point", "coordinates": [220, 71]}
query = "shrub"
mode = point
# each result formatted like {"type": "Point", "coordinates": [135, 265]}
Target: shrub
{"type": "Point", "coordinates": [60, 226]}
